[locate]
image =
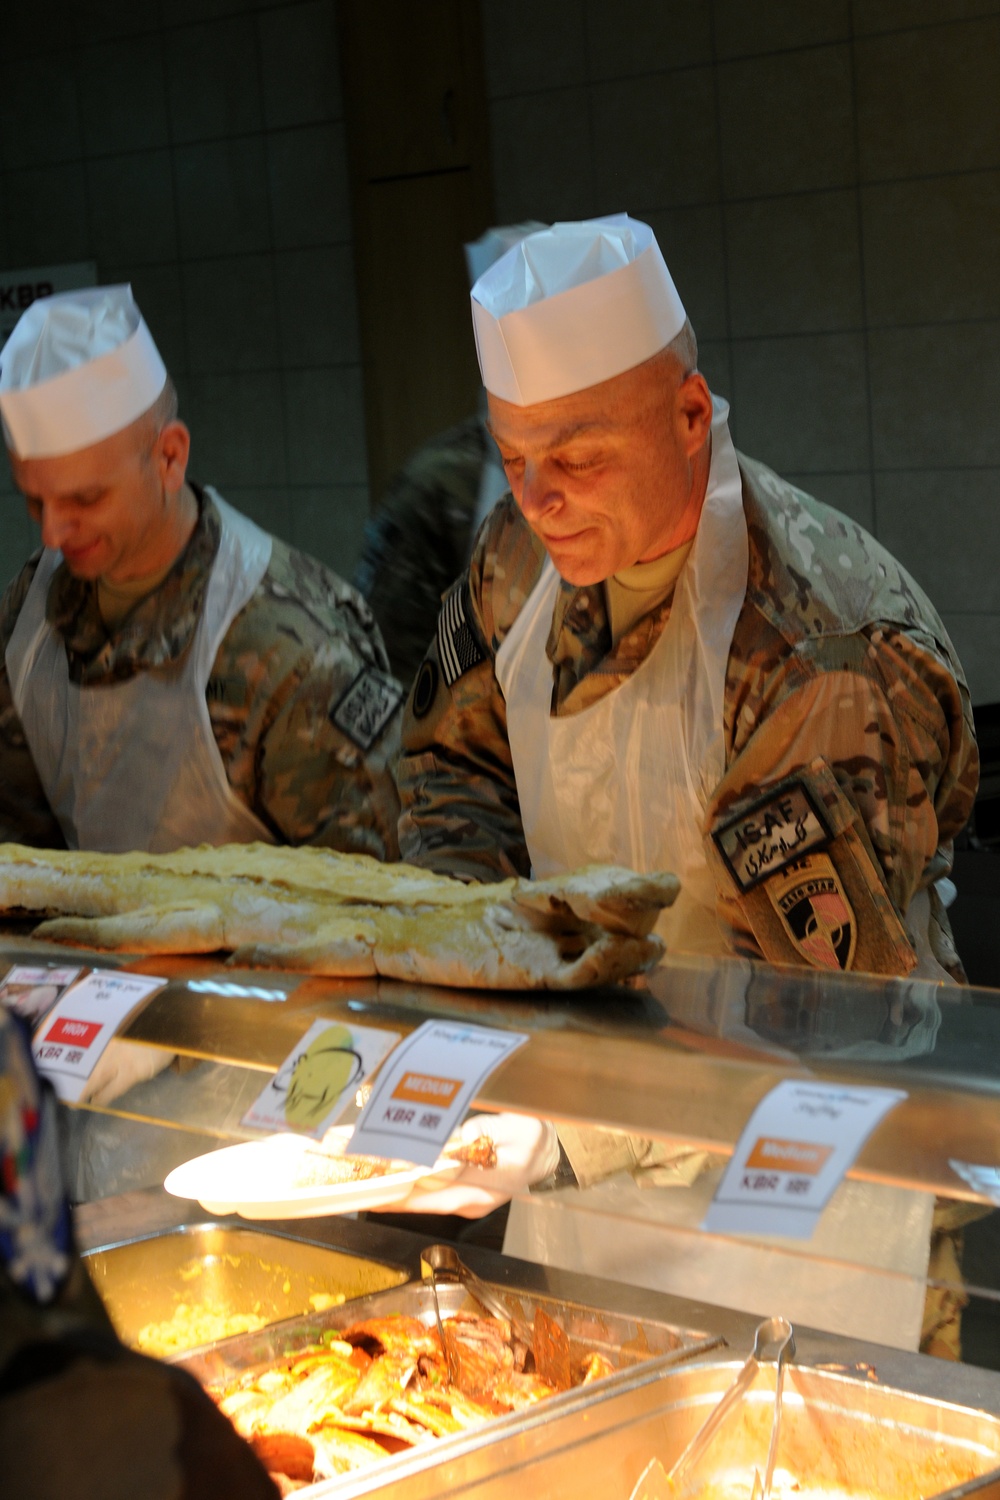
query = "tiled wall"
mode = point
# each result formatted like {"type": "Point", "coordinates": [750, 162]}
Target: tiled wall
{"type": "Point", "coordinates": [824, 178]}
{"type": "Point", "coordinates": [196, 148]}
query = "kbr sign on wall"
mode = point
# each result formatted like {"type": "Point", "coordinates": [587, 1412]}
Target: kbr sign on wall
{"type": "Point", "coordinates": [18, 289]}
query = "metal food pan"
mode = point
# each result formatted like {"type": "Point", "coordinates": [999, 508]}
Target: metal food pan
{"type": "Point", "coordinates": [167, 1292]}
{"type": "Point", "coordinates": [623, 1340]}
{"type": "Point", "coordinates": [629, 1344]}
{"type": "Point", "coordinates": [842, 1436]}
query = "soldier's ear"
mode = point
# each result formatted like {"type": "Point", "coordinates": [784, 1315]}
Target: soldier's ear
{"type": "Point", "coordinates": [694, 412]}
{"type": "Point", "coordinates": [171, 454]}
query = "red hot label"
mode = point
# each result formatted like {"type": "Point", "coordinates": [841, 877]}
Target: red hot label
{"type": "Point", "coordinates": [75, 1033]}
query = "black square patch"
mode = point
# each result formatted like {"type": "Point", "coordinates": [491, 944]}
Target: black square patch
{"type": "Point", "coordinates": [363, 712]}
{"type": "Point", "coordinates": [772, 833]}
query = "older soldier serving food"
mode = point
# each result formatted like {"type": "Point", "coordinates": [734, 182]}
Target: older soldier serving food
{"type": "Point", "coordinates": [662, 655]}
{"type": "Point", "coordinates": [171, 674]}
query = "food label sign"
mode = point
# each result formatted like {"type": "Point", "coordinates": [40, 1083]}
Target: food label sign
{"type": "Point", "coordinates": [792, 1155]}
{"type": "Point", "coordinates": [425, 1088]}
{"type": "Point", "coordinates": [70, 1042]}
{"type": "Point", "coordinates": [319, 1078]}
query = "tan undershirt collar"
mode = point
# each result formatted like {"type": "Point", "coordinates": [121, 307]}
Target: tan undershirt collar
{"type": "Point", "coordinates": [117, 600]}
{"type": "Point", "coordinates": [636, 591]}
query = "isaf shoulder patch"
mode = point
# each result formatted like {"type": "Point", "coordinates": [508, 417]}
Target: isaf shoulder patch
{"type": "Point", "coordinates": [770, 834]}
{"type": "Point", "coordinates": [810, 899]}
{"type": "Point", "coordinates": [458, 647]}
{"type": "Point", "coordinates": [364, 710]}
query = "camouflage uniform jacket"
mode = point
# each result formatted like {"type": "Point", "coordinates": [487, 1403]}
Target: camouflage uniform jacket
{"type": "Point", "coordinates": [419, 539]}
{"type": "Point", "coordinates": [843, 694]}
{"type": "Point", "coordinates": [302, 706]}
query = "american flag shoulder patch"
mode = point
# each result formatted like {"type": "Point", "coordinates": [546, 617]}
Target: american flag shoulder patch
{"type": "Point", "coordinates": [458, 645]}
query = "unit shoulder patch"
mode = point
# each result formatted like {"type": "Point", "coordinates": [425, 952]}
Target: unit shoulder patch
{"type": "Point", "coordinates": [457, 642]}
{"type": "Point", "coordinates": [365, 709]}
{"type": "Point", "coordinates": [769, 835]}
{"type": "Point", "coordinates": [810, 899]}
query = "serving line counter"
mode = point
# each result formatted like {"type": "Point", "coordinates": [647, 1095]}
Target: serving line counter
{"type": "Point", "coordinates": [682, 1060]}
{"type": "Point", "coordinates": [858, 1418]}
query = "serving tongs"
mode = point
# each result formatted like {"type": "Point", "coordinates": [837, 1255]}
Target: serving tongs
{"type": "Point", "coordinates": [440, 1265]}
{"type": "Point", "coordinates": [773, 1343]}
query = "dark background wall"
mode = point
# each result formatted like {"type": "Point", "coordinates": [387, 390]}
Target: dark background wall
{"type": "Point", "coordinates": [824, 179]}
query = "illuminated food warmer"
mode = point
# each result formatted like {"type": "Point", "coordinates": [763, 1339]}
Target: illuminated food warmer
{"type": "Point", "coordinates": [683, 1061]}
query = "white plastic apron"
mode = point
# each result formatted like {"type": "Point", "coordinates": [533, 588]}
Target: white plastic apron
{"type": "Point", "coordinates": [134, 765]}
{"type": "Point", "coordinates": [627, 781]}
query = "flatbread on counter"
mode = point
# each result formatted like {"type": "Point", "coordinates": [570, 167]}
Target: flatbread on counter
{"type": "Point", "coordinates": [321, 912]}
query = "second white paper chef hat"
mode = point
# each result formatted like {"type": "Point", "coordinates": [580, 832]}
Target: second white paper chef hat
{"type": "Point", "coordinates": [571, 306]}
{"type": "Point", "coordinates": [78, 367]}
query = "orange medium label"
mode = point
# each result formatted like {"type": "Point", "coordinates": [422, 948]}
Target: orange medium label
{"type": "Point", "coordinates": [788, 1156]}
{"type": "Point", "coordinates": [424, 1088]}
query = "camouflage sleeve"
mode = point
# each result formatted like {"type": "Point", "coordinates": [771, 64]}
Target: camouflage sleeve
{"type": "Point", "coordinates": [306, 714]}
{"type": "Point", "coordinates": [418, 540]}
{"type": "Point", "coordinates": [25, 814]}
{"type": "Point", "coordinates": [851, 775]}
{"type": "Point", "coordinates": [460, 813]}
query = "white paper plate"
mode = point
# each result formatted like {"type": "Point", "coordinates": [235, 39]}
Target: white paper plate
{"type": "Point", "coordinates": [256, 1179]}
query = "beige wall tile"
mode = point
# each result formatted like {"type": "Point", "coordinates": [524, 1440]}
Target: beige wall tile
{"type": "Point", "coordinates": [325, 420]}
{"type": "Point", "coordinates": [30, 135]}
{"type": "Point", "coordinates": [217, 90]}
{"type": "Point", "coordinates": [329, 524]}
{"type": "Point", "coordinates": [935, 396]}
{"type": "Point", "coordinates": [645, 36]}
{"type": "Point", "coordinates": [317, 306]}
{"type": "Point", "coordinates": [307, 182]}
{"type": "Point", "coordinates": [131, 208]}
{"type": "Point", "coordinates": [271, 508]}
{"type": "Point", "coordinates": [542, 167]}
{"type": "Point", "coordinates": [300, 64]}
{"type": "Point", "coordinates": [801, 402]}
{"type": "Point", "coordinates": [927, 100]}
{"type": "Point", "coordinates": [655, 142]}
{"type": "Point", "coordinates": [237, 429]}
{"type": "Point", "coordinates": [794, 264]}
{"type": "Point", "coordinates": [872, 16]}
{"type": "Point", "coordinates": [851, 494]}
{"type": "Point", "coordinates": [939, 523]}
{"type": "Point", "coordinates": [715, 363]}
{"type": "Point", "coordinates": [692, 245]}
{"type": "Point", "coordinates": [931, 248]}
{"type": "Point", "coordinates": [45, 213]}
{"type": "Point", "coordinates": [222, 197]}
{"type": "Point", "coordinates": [742, 29]}
{"type": "Point", "coordinates": [122, 96]}
{"type": "Point", "coordinates": [532, 48]}
{"type": "Point", "coordinates": [786, 122]}
{"type": "Point", "coordinates": [231, 314]}
{"type": "Point", "coordinates": [976, 638]}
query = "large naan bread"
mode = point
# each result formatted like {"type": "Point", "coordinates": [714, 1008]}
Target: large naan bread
{"type": "Point", "coordinates": [320, 912]}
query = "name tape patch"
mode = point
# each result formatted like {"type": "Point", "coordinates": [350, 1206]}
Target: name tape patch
{"type": "Point", "coordinates": [458, 649]}
{"type": "Point", "coordinates": [771, 834]}
{"type": "Point", "coordinates": [364, 710]}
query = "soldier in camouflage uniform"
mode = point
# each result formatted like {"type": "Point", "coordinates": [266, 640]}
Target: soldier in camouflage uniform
{"type": "Point", "coordinates": [290, 731]}
{"type": "Point", "coordinates": [418, 541]}
{"type": "Point", "coordinates": [839, 755]}
{"type": "Point", "coordinates": [849, 762]}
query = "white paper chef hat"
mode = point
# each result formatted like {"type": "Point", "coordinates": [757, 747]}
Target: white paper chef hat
{"type": "Point", "coordinates": [482, 253]}
{"type": "Point", "coordinates": [572, 306]}
{"type": "Point", "coordinates": [77, 367]}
